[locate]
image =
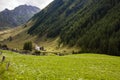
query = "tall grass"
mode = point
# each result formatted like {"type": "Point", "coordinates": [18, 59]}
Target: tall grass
{"type": "Point", "coordinates": [70, 67]}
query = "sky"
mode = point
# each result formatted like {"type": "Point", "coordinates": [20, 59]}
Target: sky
{"type": "Point", "coordinates": [11, 4]}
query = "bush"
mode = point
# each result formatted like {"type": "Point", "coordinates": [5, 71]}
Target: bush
{"type": "Point", "coordinates": [10, 38]}
{"type": "Point", "coordinates": [4, 47]}
{"type": "Point", "coordinates": [27, 46]}
{"type": "Point", "coordinates": [37, 52]}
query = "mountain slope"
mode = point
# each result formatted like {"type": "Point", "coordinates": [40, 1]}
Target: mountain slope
{"type": "Point", "coordinates": [93, 25]}
{"type": "Point", "coordinates": [85, 25]}
{"type": "Point", "coordinates": [18, 16]}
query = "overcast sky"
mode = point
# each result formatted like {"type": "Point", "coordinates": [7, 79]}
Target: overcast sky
{"type": "Point", "coordinates": [11, 4]}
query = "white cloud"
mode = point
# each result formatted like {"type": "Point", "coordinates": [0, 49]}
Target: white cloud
{"type": "Point", "coordinates": [11, 4]}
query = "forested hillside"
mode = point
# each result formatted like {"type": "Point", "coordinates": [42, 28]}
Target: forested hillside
{"type": "Point", "coordinates": [93, 25]}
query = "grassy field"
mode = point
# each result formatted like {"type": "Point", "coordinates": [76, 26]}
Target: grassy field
{"type": "Point", "coordinates": [69, 67]}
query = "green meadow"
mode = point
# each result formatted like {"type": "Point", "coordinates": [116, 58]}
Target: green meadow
{"type": "Point", "coordinates": [70, 67]}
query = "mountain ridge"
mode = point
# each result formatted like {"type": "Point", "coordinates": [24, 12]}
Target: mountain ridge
{"type": "Point", "coordinates": [17, 16]}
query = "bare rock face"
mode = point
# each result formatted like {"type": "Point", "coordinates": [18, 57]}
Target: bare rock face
{"type": "Point", "coordinates": [18, 16]}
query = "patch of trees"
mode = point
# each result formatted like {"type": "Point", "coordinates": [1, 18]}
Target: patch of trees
{"type": "Point", "coordinates": [4, 47]}
{"type": "Point", "coordinates": [28, 46]}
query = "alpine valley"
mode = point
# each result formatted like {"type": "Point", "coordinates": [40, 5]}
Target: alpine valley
{"type": "Point", "coordinates": [82, 25]}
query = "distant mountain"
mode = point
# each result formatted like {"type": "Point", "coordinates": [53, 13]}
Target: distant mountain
{"type": "Point", "coordinates": [18, 16]}
{"type": "Point", "coordinates": [92, 25]}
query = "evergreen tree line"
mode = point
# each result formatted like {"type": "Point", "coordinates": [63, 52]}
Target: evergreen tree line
{"type": "Point", "coordinates": [93, 25]}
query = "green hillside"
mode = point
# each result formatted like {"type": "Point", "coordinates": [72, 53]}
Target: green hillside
{"type": "Point", "coordinates": [70, 67]}
{"type": "Point", "coordinates": [93, 25]}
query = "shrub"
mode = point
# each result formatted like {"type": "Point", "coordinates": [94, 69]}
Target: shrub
{"type": "Point", "coordinates": [4, 47]}
{"type": "Point", "coordinates": [27, 46]}
{"type": "Point", "coordinates": [37, 52]}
